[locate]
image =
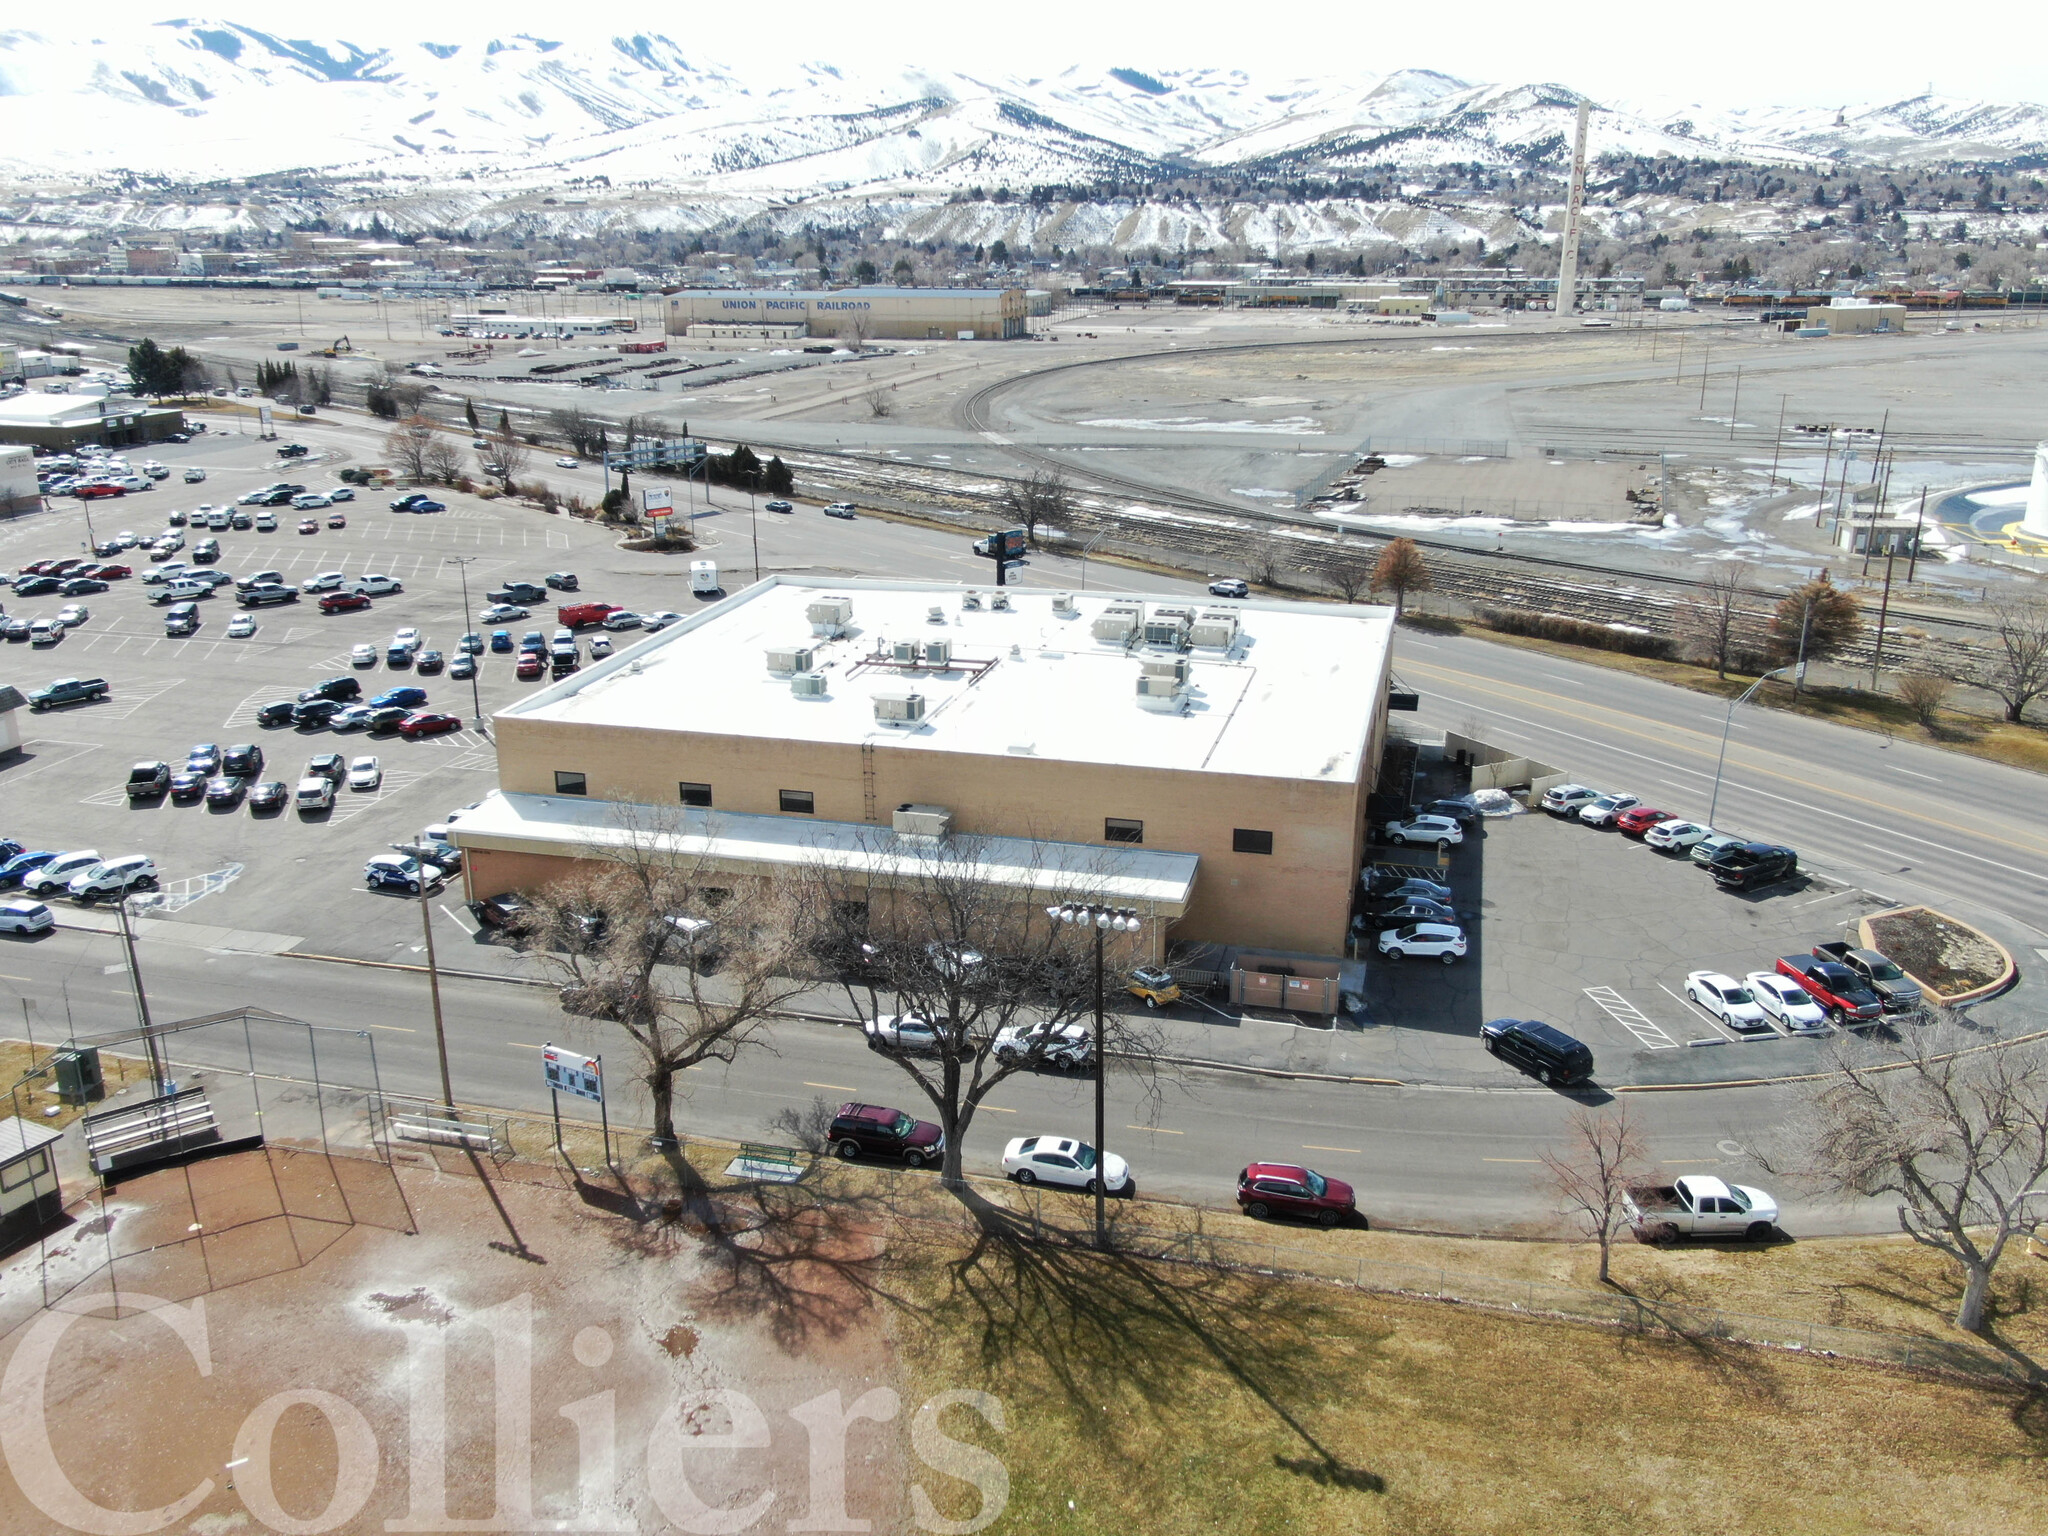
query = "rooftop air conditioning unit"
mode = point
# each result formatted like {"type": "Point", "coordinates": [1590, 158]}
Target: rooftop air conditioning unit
{"type": "Point", "coordinates": [909, 652]}
{"type": "Point", "coordinates": [808, 685]}
{"type": "Point", "coordinates": [829, 615]}
{"type": "Point", "coordinates": [1118, 622]}
{"type": "Point", "coordinates": [922, 821]}
{"type": "Point", "coordinates": [1173, 668]}
{"type": "Point", "coordinates": [790, 658]}
{"type": "Point", "coordinates": [935, 614]}
{"type": "Point", "coordinates": [899, 708]}
{"type": "Point", "coordinates": [938, 653]}
{"type": "Point", "coordinates": [999, 600]}
{"type": "Point", "coordinates": [1163, 693]}
{"type": "Point", "coordinates": [1212, 628]}
{"type": "Point", "coordinates": [1169, 626]}
{"type": "Point", "coordinates": [970, 600]}
{"type": "Point", "coordinates": [1063, 602]}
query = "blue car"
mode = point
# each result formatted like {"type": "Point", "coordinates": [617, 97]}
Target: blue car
{"type": "Point", "coordinates": [501, 639]}
{"type": "Point", "coordinates": [18, 868]}
{"type": "Point", "coordinates": [410, 698]}
{"type": "Point", "coordinates": [428, 506]}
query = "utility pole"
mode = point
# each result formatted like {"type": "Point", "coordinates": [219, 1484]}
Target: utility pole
{"type": "Point", "coordinates": [1778, 443]}
{"type": "Point", "coordinates": [1703, 379]}
{"type": "Point", "coordinates": [1735, 410]}
{"type": "Point", "coordinates": [1805, 628]}
{"type": "Point", "coordinates": [462, 564]}
{"type": "Point", "coordinates": [149, 1040]}
{"type": "Point", "coordinates": [1826, 464]}
{"type": "Point", "coordinates": [1574, 209]}
{"type": "Point", "coordinates": [1883, 611]}
{"type": "Point", "coordinates": [1913, 555]}
{"type": "Point", "coordinates": [433, 982]}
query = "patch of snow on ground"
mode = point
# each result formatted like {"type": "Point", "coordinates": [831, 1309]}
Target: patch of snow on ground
{"type": "Point", "coordinates": [2011, 496]}
{"type": "Point", "coordinates": [1402, 460]}
{"type": "Point", "coordinates": [1277, 495]}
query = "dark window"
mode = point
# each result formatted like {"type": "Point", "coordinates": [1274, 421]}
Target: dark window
{"type": "Point", "coordinates": [695, 794]}
{"type": "Point", "coordinates": [1244, 840]}
{"type": "Point", "coordinates": [798, 801]}
{"type": "Point", "coordinates": [569, 783]}
{"type": "Point", "coordinates": [1116, 830]}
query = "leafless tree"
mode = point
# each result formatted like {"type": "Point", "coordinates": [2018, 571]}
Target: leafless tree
{"type": "Point", "coordinates": [2016, 670]}
{"type": "Point", "coordinates": [1350, 572]}
{"type": "Point", "coordinates": [877, 400]}
{"type": "Point", "coordinates": [1040, 501]}
{"type": "Point", "coordinates": [507, 457]}
{"type": "Point", "coordinates": [408, 445]}
{"type": "Point", "coordinates": [1401, 571]}
{"type": "Point", "coordinates": [647, 935]}
{"type": "Point", "coordinates": [1262, 559]}
{"type": "Point", "coordinates": [1712, 616]}
{"type": "Point", "coordinates": [1603, 1154]}
{"type": "Point", "coordinates": [1954, 1126]}
{"type": "Point", "coordinates": [1924, 693]}
{"type": "Point", "coordinates": [853, 333]}
{"type": "Point", "coordinates": [941, 932]}
{"type": "Point", "coordinates": [442, 460]}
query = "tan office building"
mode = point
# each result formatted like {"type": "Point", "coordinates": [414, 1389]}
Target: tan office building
{"type": "Point", "coordinates": [1206, 762]}
{"type": "Point", "coordinates": [901, 314]}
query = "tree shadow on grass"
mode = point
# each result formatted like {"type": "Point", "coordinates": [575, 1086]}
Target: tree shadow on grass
{"type": "Point", "coordinates": [1145, 1317]}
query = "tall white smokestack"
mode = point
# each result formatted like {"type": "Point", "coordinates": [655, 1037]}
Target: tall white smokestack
{"type": "Point", "coordinates": [2036, 521]}
{"type": "Point", "coordinates": [1574, 206]}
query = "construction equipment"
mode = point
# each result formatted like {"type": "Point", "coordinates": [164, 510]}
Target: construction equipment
{"type": "Point", "coordinates": [341, 344]}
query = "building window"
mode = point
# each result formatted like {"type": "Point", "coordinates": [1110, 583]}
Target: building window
{"type": "Point", "coordinates": [1244, 840]}
{"type": "Point", "coordinates": [695, 794]}
{"type": "Point", "coordinates": [570, 783]}
{"type": "Point", "coordinates": [799, 802]}
{"type": "Point", "coordinates": [1116, 830]}
{"type": "Point", "coordinates": [34, 1166]}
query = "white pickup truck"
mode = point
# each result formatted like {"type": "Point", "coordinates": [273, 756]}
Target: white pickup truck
{"type": "Point", "coordinates": [1700, 1206]}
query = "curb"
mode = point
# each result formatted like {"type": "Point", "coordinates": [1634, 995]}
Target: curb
{"type": "Point", "coordinates": [1949, 999]}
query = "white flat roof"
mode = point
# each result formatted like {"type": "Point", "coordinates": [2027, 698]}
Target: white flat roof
{"type": "Point", "coordinates": [569, 825]}
{"type": "Point", "coordinates": [1294, 698]}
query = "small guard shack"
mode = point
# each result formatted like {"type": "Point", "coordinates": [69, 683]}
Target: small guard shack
{"type": "Point", "coordinates": [29, 1200]}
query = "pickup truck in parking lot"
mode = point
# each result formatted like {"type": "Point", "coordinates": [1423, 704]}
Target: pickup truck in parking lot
{"type": "Point", "coordinates": [583, 615]}
{"type": "Point", "coordinates": [1896, 991]}
{"type": "Point", "coordinates": [1749, 866]}
{"type": "Point", "coordinates": [1839, 990]}
{"type": "Point", "coordinates": [515, 592]}
{"type": "Point", "coordinates": [68, 690]}
{"type": "Point", "coordinates": [1700, 1206]}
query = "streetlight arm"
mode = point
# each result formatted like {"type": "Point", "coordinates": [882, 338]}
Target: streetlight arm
{"type": "Point", "coordinates": [1714, 803]}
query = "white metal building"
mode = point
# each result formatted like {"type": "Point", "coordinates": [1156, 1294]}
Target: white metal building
{"type": "Point", "coordinates": [900, 314]}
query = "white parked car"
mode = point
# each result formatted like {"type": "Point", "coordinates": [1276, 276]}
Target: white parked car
{"type": "Point", "coordinates": [1727, 1000]}
{"type": "Point", "coordinates": [194, 474]}
{"type": "Point", "coordinates": [1444, 941]}
{"type": "Point", "coordinates": [1566, 799]}
{"type": "Point", "coordinates": [1676, 836]}
{"type": "Point", "coordinates": [25, 917]}
{"type": "Point", "coordinates": [266, 521]}
{"type": "Point", "coordinates": [1440, 830]}
{"type": "Point", "coordinates": [242, 626]}
{"type": "Point", "coordinates": [1064, 1161]}
{"type": "Point", "coordinates": [1789, 1005]}
{"type": "Point", "coordinates": [365, 773]}
{"type": "Point", "coordinates": [326, 581]}
{"type": "Point", "coordinates": [568, 463]}
{"type": "Point", "coordinates": [622, 620]}
{"type": "Point", "coordinates": [126, 539]}
{"type": "Point", "coordinates": [364, 655]}
{"type": "Point", "coordinates": [315, 793]}
{"type": "Point", "coordinates": [501, 613]}
{"type": "Point", "coordinates": [111, 877]}
{"type": "Point", "coordinates": [375, 584]}
{"type": "Point", "coordinates": [342, 493]}
{"type": "Point", "coordinates": [354, 718]}
{"type": "Point", "coordinates": [408, 638]}
{"type": "Point", "coordinates": [599, 646]}
{"type": "Point", "coordinates": [71, 615]}
{"type": "Point", "coordinates": [1602, 811]}
{"type": "Point", "coordinates": [661, 618]}
{"type": "Point", "coordinates": [56, 875]}
{"type": "Point", "coordinates": [312, 501]}
{"type": "Point", "coordinates": [1069, 1046]}
{"type": "Point", "coordinates": [907, 1032]}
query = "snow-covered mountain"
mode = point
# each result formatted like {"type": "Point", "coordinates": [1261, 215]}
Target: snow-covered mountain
{"type": "Point", "coordinates": [203, 100]}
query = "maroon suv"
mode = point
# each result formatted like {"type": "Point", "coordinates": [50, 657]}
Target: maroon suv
{"type": "Point", "coordinates": [1288, 1189]}
{"type": "Point", "coordinates": [870, 1130]}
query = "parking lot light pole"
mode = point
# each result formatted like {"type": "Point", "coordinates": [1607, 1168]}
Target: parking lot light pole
{"type": "Point", "coordinates": [1727, 725]}
{"type": "Point", "coordinates": [433, 982]}
{"type": "Point", "coordinates": [158, 1078]}
{"type": "Point", "coordinates": [462, 564]}
{"type": "Point", "coordinates": [1102, 919]}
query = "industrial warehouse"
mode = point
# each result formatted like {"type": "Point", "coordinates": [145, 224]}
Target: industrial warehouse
{"type": "Point", "coordinates": [896, 314]}
{"type": "Point", "coordinates": [1208, 764]}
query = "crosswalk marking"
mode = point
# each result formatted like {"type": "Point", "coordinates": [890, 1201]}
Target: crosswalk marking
{"type": "Point", "coordinates": [1631, 1018]}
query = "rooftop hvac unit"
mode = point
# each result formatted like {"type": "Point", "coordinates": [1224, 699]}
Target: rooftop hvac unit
{"type": "Point", "coordinates": [909, 652]}
{"type": "Point", "coordinates": [899, 708]}
{"type": "Point", "coordinates": [1063, 602]}
{"type": "Point", "coordinates": [1212, 628]}
{"type": "Point", "coordinates": [829, 615]}
{"type": "Point", "coordinates": [970, 600]}
{"type": "Point", "coordinates": [1169, 626]}
{"type": "Point", "coordinates": [999, 600]}
{"type": "Point", "coordinates": [1160, 692]}
{"type": "Point", "coordinates": [935, 614]}
{"type": "Point", "coordinates": [922, 821]}
{"type": "Point", "coordinates": [808, 685]}
{"type": "Point", "coordinates": [1173, 668]}
{"type": "Point", "coordinates": [790, 658]}
{"type": "Point", "coordinates": [1118, 622]}
{"type": "Point", "coordinates": [938, 653]}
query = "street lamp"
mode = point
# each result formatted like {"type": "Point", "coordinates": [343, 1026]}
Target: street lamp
{"type": "Point", "coordinates": [1102, 919]}
{"type": "Point", "coordinates": [1728, 725]}
{"type": "Point", "coordinates": [1087, 550]}
{"type": "Point", "coordinates": [462, 564]}
{"type": "Point", "coordinates": [433, 977]}
{"type": "Point", "coordinates": [159, 1076]}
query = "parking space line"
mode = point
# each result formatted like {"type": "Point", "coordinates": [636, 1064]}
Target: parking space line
{"type": "Point", "coordinates": [1309, 1146]}
{"type": "Point", "coordinates": [835, 1087]}
{"type": "Point", "coordinates": [1631, 1018]}
{"type": "Point", "coordinates": [1691, 1007]}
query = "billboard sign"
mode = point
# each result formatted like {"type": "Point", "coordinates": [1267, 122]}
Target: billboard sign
{"type": "Point", "coordinates": [657, 501]}
{"type": "Point", "coordinates": [569, 1072]}
{"type": "Point", "coordinates": [1010, 543]}
{"type": "Point", "coordinates": [685, 451]}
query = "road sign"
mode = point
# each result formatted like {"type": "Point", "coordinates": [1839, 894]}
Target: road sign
{"type": "Point", "coordinates": [683, 451]}
{"type": "Point", "coordinates": [657, 501]}
{"type": "Point", "coordinates": [569, 1072]}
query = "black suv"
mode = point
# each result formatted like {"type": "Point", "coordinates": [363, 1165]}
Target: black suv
{"type": "Point", "coordinates": [1550, 1053]}
{"type": "Point", "coordinates": [244, 761]}
{"type": "Point", "coordinates": [278, 713]}
{"type": "Point", "coordinates": [340, 689]}
{"type": "Point", "coordinates": [1746, 866]}
{"type": "Point", "coordinates": [315, 712]}
{"type": "Point", "coordinates": [870, 1130]}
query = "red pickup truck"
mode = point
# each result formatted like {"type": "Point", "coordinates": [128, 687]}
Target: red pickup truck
{"type": "Point", "coordinates": [1839, 990]}
{"type": "Point", "coordinates": [583, 615]}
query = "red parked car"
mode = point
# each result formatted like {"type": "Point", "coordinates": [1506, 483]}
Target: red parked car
{"type": "Point", "coordinates": [1288, 1189]}
{"type": "Point", "coordinates": [1638, 820]}
{"type": "Point", "coordinates": [343, 602]}
{"type": "Point", "coordinates": [111, 572]}
{"type": "Point", "coordinates": [528, 666]}
{"type": "Point", "coordinates": [424, 724]}
{"type": "Point", "coordinates": [95, 492]}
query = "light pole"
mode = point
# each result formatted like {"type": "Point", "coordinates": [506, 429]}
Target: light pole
{"type": "Point", "coordinates": [462, 564]}
{"type": "Point", "coordinates": [1102, 919]}
{"type": "Point", "coordinates": [433, 978]}
{"type": "Point", "coordinates": [1728, 725]}
{"type": "Point", "coordinates": [1087, 550]}
{"type": "Point", "coordinates": [149, 1040]}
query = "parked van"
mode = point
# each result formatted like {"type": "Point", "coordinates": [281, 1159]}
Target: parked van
{"type": "Point", "coordinates": [182, 620]}
{"type": "Point", "coordinates": [703, 576]}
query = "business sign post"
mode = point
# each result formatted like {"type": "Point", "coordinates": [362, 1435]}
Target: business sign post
{"type": "Point", "coordinates": [571, 1072]}
{"type": "Point", "coordinates": [658, 505]}
{"type": "Point", "coordinates": [1006, 549]}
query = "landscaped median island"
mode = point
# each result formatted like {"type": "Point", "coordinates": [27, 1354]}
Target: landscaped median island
{"type": "Point", "coordinates": [1952, 962]}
